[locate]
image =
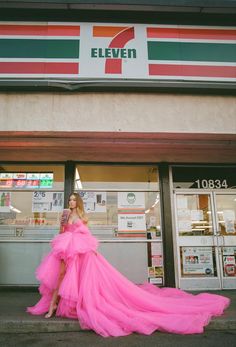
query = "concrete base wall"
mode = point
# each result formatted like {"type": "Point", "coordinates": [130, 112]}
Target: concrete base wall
{"type": "Point", "coordinates": [118, 112]}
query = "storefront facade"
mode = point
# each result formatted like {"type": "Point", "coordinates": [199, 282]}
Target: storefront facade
{"type": "Point", "coordinates": [139, 118]}
{"type": "Point", "coordinates": [142, 217]}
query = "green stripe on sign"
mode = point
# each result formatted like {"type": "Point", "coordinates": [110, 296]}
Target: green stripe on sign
{"type": "Point", "coordinates": [21, 48]}
{"type": "Point", "coordinates": [219, 52]}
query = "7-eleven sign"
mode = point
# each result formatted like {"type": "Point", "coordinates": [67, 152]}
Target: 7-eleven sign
{"type": "Point", "coordinates": [112, 50]}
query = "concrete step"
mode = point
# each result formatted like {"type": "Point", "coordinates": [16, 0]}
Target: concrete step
{"type": "Point", "coordinates": [15, 319]}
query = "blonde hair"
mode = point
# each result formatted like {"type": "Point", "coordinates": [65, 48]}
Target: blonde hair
{"type": "Point", "coordinates": [79, 207]}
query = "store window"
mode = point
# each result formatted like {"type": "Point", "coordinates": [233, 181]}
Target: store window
{"type": "Point", "coordinates": [121, 201]}
{"type": "Point", "coordinates": [123, 206]}
{"type": "Point", "coordinates": [31, 200]}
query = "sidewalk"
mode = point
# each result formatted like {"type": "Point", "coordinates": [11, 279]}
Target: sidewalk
{"type": "Point", "coordinates": [14, 319]}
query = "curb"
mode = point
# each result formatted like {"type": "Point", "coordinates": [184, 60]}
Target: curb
{"type": "Point", "coordinates": [222, 324]}
{"type": "Point", "coordinates": [54, 326]}
{"type": "Point", "coordinates": [26, 326]}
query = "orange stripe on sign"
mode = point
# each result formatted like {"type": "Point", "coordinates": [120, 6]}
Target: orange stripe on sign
{"type": "Point", "coordinates": [40, 30]}
{"type": "Point", "coordinates": [181, 33]}
{"type": "Point", "coordinates": [105, 31]}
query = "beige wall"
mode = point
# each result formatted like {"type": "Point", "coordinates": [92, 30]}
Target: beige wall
{"type": "Point", "coordinates": [125, 112]}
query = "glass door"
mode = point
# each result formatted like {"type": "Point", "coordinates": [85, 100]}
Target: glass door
{"type": "Point", "coordinates": [226, 233]}
{"type": "Point", "coordinates": [196, 239]}
{"type": "Point", "coordinates": [206, 239]}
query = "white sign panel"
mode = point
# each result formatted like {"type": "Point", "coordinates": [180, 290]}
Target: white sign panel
{"type": "Point", "coordinates": [184, 214]}
{"type": "Point", "coordinates": [184, 226]}
{"type": "Point", "coordinates": [156, 280]}
{"type": "Point", "coordinates": [229, 219]}
{"type": "Point", "coordinates": [197, 215]}
{"type": "Point", "coordinates": [229, 265]}
{"type": "Point", "coordinates": [132, 222]}
{"type": "Point", "coordinates": [131, 200]}
{"type": "Point", "coordinates": [47, 201]}
{"type": "Point", "coordinates": [198, 261]}
{"type": "Point", "coordinates": [113, 51]}
{"type": "Point", "coordinates": [182, 202]}
{"type": "Point", "coordinates": [156, 248]}
{"type": "Point", "coordinates": [94, 201]}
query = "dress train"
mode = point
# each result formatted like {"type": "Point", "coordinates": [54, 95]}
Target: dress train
{"type": "Point", "coordinates": [104, 300]}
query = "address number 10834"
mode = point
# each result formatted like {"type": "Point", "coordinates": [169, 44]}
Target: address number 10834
{"type": "Point", "coordinates": [211, 184]}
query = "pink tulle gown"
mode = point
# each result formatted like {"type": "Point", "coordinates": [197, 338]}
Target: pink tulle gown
{"type": "Point", "coordinates": [103, 300]}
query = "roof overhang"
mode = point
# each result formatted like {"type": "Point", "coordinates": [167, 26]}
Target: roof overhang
{"type": "Point", "coordinates": [197, 87]}
{"type": "Point", "coordinates": [111, 146]}
{"type": "Point", "coordinates": [200, 6]}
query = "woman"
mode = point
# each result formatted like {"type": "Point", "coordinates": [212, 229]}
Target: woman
{"type": "Point", "coordinates": [77, 282]}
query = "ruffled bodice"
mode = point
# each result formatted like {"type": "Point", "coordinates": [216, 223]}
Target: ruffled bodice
{"type": "Point", "coordinates": [78, 227]}
{"type": "Point", "coordinates": [75, 239]}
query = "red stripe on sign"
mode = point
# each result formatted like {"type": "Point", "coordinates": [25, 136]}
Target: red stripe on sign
{"type": "Point", "coordinates": [38, 68]}
{"type": "Point", "coordinates": [180, 33]}
{"type": "Point", "coordinates": [40, 30]}
{"type": "Point", "coordinates": [192, 70]}
{"type": "Point", "coordinates": [132, 234]}
{"type": "Point", "coordinates": [114, 66]}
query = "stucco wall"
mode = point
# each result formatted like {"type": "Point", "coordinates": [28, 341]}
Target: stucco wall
{"type": "Point", "coordinates": [117, 112]}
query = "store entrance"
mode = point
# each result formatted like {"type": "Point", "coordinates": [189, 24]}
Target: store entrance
{"type": "Point", "coordinates": [205, 226]}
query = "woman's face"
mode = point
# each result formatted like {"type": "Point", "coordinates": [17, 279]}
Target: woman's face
{"type": "Point", "coordinates": [72, 202]}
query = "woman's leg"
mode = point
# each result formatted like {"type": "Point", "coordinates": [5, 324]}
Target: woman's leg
{"type": "Point", "coordinates": [54, 300]}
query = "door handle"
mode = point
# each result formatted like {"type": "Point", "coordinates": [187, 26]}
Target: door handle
{"type": "Point", "coordinates": [220, 239]}
{"type": "Point", "coordinates": [215, 241]}
{"type": "Point", "coordinates": [223, 240]}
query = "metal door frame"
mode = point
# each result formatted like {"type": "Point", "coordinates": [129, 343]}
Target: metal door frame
{"type": "Point", "coordinates": [217, 242]}
{"type": "Point", "coordinates": [224, 241]}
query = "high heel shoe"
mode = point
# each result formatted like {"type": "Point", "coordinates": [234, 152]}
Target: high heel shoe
{"type": "Point", "coordinates": [51, 312]}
